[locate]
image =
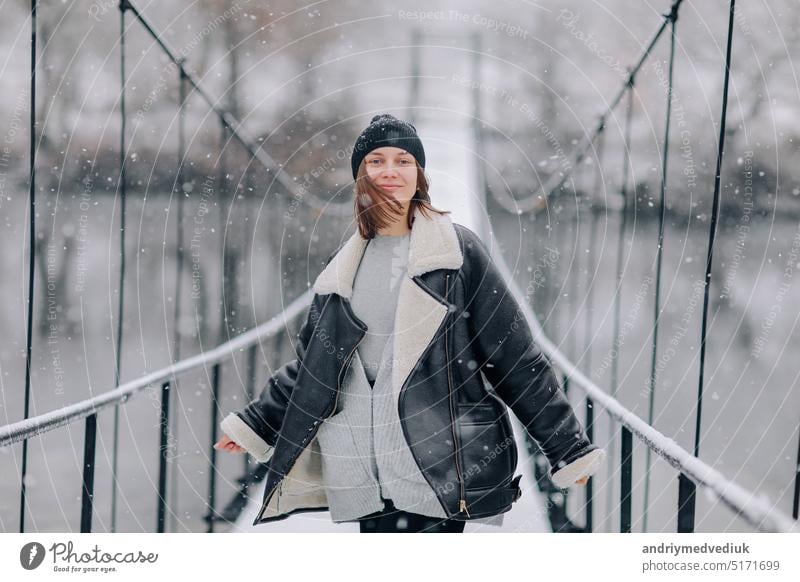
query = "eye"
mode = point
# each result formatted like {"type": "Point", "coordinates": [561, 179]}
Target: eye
{"type": "Point", "coordinates": [406, 161]}
{"type": "Point", "coordinates": [373, 160]}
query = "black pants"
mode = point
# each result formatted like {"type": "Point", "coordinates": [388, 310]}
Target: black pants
{"type": "Point", "coordinates": [393, 520]}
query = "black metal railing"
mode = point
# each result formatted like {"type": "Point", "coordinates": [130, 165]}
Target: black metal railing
{"type": "Point", "coordinates": [757, 512]}
{"type": "Point", "coordinates": [164, 379]}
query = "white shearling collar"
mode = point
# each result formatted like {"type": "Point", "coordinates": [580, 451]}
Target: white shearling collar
{"type": "Point", "coordinates": [433, 245]}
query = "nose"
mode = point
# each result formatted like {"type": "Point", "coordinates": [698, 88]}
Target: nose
{"type": "Point", "coordinates": [390, 169]}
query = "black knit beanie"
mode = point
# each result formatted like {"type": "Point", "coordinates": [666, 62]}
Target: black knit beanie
{"type": "Point", "coordinates": [386, 130]}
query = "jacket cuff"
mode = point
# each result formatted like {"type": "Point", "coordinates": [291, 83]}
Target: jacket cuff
{"type": "Point", "coordinates": [581, 467]}
{"type": "Point", "coordinates": [244, 436]}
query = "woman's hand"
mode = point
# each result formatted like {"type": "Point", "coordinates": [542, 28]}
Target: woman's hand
{"type": "Point", "coordinates": [226, 444]}
{"type": "Point", "coordinates": [582, 481]}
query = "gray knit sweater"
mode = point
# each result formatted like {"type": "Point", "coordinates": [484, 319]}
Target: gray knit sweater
{"type": "Point", "coordinates": [365, 457]}
{"type": "Point", "coordinates": [375, 291]}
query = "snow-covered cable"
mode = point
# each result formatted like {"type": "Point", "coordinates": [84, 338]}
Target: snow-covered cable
{"type": "Point", "coordinates": [757, 510]}
{"type": "Point", "coordinates": [25, 429]}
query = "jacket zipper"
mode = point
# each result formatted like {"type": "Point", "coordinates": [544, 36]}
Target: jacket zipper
{"type": "Point", "coordinates": [339, 377]}
{"type": "Point", "coordinates": [462, 503]}
{"type": "Point", "coordinates": [333, 411]}
{"type": "Point", "coordinates": [402, 394]}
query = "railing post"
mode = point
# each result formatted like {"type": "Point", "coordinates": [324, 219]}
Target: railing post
{"type": "Point", "coordinates": [590, 483]}
{"type": "Point", "coordinates": [796, 504]}
{"type": "Point", "coordinates": [162, 461]}
{"type": "Point", "coordinates": [565, 492]}
{"type": "Point", "coordinates": [87, 496]}
{"type": "Point", "coordinates": [212, 469]}
{"type": "Point", "coordinates": [626, 480]}
{"type": "Point", "coordinates": [686, 499]}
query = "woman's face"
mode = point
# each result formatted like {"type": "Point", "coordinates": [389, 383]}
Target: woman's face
{"type": "Point", "coordinates": [394, 170]}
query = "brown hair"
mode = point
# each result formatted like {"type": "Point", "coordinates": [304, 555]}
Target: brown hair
{"type": "Point", "coordinates": [375, 210]}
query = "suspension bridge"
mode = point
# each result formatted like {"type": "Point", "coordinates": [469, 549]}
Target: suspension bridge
{"type": "Point", "coordinates": [459, 165]}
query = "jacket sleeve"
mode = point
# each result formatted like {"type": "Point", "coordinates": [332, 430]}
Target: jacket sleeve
{"type": "Point", "coordinates": [256, 426]}
{"type": "Point", "coordinates": [519, 371]}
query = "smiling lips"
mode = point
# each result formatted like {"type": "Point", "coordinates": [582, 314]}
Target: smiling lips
{"type": "Point", "coordinates": [390, 186]}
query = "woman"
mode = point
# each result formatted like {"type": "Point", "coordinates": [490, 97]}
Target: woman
{"type": "Point", "coordinates": [385, 417]}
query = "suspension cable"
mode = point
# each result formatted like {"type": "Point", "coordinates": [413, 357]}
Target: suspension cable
{"type": "Point", "coordinates": [537, 200]}
{"type": "Point", "coordinates": [590, 261]}
{"type": "Point", "coordinates": [673, 17]}
{"type": "Point", "coordinates": [687, 500]}
{"type": "Point", "coordinates": [598, 175]}
{"type": "Point", "coordinates": [283, 177]}
{"type": "Point", "coordinates": [121, 302]}
{"type": "Point", "coordinates": [31, 262]}
{"type": "Point", "coordinates": [618, 287]}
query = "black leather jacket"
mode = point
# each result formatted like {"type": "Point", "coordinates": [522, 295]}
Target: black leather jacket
{"type": "Point", "coordinates": [467, 358]}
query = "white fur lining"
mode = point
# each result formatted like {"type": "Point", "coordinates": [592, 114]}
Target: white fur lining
{"type": "Point", "coordinates": [433, 244]}
{"type": "Point", "coordinates": [417, 318]}
{"type": "Point", "coordinates": [301, 488]}
{"type": "Point", "coordinates": [339, 274]}
{"type": "Point", "coordinates": [244, 436]}
{"type": "Point", "coordinates": [581, 467]}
